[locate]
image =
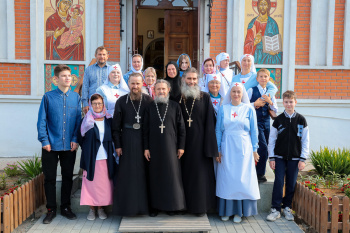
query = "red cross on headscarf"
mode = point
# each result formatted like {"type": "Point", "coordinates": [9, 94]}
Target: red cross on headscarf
{"type": "Point", "coordinates": [215, 102]}
{"type": "Point", "coordinates": [115, 67]}
{"type": "Point", "coordinates": [116, 95]}
{"type": "Point", "coordinates": [234, 115]}
{"type": "Point", "coordinates": [228, 57]}
{"type": "Point", "coordinates": [243, 81]}
{"type": "Point", "coordinates": [236, 84]}
{"type": "Point", "coordinates": [215, 78]}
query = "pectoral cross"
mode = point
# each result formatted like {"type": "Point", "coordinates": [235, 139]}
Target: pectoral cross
{"type": "Point", "coordinates": [189, 122]}
{"type": "Point", "coordinates": [138, 118]}
{"type": "Point", "coordinates": [161, 127]}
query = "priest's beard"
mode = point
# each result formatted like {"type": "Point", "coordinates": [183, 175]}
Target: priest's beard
{"type": "Point", "coordinates": [134, 96]}
{"type": "Point", "coordinates": [161, 100]}
{"type": "Point", "coordinates": [190, 92]}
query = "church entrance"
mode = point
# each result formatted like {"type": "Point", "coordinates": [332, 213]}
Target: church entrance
{"type": "Point", "coordinates": [163, 30]}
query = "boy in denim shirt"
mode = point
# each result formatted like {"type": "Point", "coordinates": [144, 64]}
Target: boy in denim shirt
{"type": "Point", "coordinates": [58, 122]}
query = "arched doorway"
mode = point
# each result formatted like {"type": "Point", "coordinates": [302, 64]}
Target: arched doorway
{"type": "Point", "coordinates": [154, 56]}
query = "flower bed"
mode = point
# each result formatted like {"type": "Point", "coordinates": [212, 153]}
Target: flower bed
{"type": "Point", "coordinates": [20, 202]}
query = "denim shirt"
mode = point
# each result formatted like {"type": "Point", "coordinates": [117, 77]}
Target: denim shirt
{"type": "Point", "coordinates": [94, 77]}
{"type": "Point", "coordinates": [58, 119]}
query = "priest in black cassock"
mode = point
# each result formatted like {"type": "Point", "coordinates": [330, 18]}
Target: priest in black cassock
{"type": "Point", "coordinates": [130, 192]}
{"type": "Point", "coordinates": [197, 162]}
{"type": "Point", "coordinates": [164, 143]}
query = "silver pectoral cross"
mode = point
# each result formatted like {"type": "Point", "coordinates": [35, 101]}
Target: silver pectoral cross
{"type": "Point", "coordinates": [161, 127]}
{"type": "Point", "coordinates": [138, 118]}
{"type": "Point", "coordinates": [189, 122]}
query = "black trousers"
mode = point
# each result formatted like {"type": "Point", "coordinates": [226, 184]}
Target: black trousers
{"type": "Point", "coordinates": [49, 164]}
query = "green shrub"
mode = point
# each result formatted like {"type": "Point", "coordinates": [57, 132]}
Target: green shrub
{"type": "Point", "coordinates": [31, 167]}
{"type": "Point", "coordinates": [330, 161]}
{"type": "Point", "coordinates": [12, 170]}
{"type": "Point", "coordinates": [3, 178]}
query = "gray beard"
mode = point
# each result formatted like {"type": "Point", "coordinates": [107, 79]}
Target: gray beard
{"type": "Point", "coordinates": [161, 100]}
{"type": "Point", "coordinates": [190, 92]}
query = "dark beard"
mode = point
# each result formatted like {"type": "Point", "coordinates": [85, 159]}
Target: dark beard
{"type": "Point", "coordinates": [136, 97]}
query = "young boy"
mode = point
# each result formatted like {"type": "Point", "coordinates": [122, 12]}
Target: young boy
{"type": "Point", "coordinates": [262, 103]}
{"type": "Point", "coordinates": [288, 150]}
{"type": "Point", "coordinates": [58, 122]}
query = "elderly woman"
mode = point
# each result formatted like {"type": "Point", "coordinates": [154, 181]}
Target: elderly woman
{"type": "Point", "coordinates": [149, 79]}
{"type": "Point", "coordinates": [248, 75]}
{"type": "Point", "coordinates": [208, 67]}
{"type": "Point", "coordinates": [237, 137]}
{"type": "Point", "coordinates": [214, 89]}
{"type": "Point", "coordinates": [173, 77]}
{"type": "Point", "coordinates": [136, 66]}
{"type": "Point", "coordinates": [97, 160]}
{"type": "Point", "coordinates": [113, 88]}
{"type": "Point", "coordinates": [184, 62]}
{"type": "Point", "coordinates": [223, 62]}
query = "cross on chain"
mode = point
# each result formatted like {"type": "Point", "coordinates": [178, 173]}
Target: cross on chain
{"type": "Point", "coordinates": [189, 122]}
{"type": "Point", "coordinates": [116, 95]}
{"type": "Point", "coordinates": [234, 115]}
{"type": "Point", "coordinates": [215, 102]}
{"type": "Point", "coordinates": [161, 127]}
{"type": "Point", "coordinates": [138, 118]}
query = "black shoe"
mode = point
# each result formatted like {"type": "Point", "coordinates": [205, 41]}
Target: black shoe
{"type": "Point", "coordinates": [200, 214]}
{"type": "Point", "coordinates": [153, 213]}
{"type": "Point", "coordinates": [261, 178]}
{"type": "Point", "coordinates": [67, 212]}
{"type": "Point", "coordinates": [170, 213]}
{"type": "Point", "coordinates": [51, 214]}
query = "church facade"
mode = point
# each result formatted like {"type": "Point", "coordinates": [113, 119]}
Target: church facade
{"type": "Point", "coordinates": [305, 44]}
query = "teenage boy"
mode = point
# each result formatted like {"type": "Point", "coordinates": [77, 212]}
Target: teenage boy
{"type": "Point", "coordinates": [288, 150]}
{"type": "Point", "coordinates": [262, 103]}
{"type": "Point", "coordinates": [58, 122]}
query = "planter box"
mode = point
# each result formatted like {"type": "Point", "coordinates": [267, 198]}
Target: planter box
{"type": "Point", "coordinates": [317, 212]}
{"type": "Point", "coordinates": [19, 205]}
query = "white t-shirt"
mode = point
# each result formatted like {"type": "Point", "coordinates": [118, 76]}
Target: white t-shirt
{"type": "Point", "coordinates": [101, 153]}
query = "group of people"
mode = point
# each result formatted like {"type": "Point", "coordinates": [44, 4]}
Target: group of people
{"type": "Point", "coordinates": [180, 144]}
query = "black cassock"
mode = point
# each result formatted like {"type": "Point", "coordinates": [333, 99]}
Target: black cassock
{"type": "Point", "coordinates": [130, 192]}
{"type": "Point", "coordinates": [166, 189]}
{"type": "Point", "coordinates": [197, 162]}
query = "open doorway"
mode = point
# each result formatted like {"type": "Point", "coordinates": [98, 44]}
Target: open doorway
{"type": "Point", "coordinates": [164, 31]}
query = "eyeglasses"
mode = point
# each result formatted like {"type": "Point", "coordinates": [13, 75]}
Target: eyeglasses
{"type": "Point", "coordinates": [97, 104]}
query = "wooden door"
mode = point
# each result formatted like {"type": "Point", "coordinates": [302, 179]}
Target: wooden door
{"type": "Point", "coordinates": [179, 34]}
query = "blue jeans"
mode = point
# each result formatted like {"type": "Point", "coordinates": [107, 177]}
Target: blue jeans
{"type": "Point", "coordinates": [264, 132]}
{"type": "Point", "coordinates": [288, 169]}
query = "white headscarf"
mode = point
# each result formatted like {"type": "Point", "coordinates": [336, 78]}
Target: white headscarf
{"type": "Point", "coordinates": [122, 83]}
{"type": "Point", "coordinates": [211, 77]}
{"type": "Point", "coordinates": [252, 68]}
{"type": "Point", "coordinates": [221, 57]}
{"type": "Point", "coordinates": [245, 98]}
{"type": "Point", "coordinates": [132, 68]}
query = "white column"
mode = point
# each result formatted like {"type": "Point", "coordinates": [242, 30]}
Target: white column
{"type": "Point", "coordinates": [330, 32]}
{"type": "Point", "coordinates": [10, 30]}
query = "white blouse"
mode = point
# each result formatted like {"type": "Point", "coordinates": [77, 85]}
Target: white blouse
{"type": "Point", "coordinates": [101, 153]}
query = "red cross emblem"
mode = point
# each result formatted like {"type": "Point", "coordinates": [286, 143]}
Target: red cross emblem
{"type": "Point", "coordinates": [215, 78]}
{"type": "Point", "coordinates": [243, 81]}
{"type": "Point", "coordinates": [116, 95]}
{"type": "Point", "coordinates": [215, 102]}
{"type": "Point", "coordinates": [115, 67]}
{"type": "Point", "coordinates": [228, 57]}
{"type": "Point", "coordinates": [236, 84]}
{"type": "Point", "coordinates": [234, 115]}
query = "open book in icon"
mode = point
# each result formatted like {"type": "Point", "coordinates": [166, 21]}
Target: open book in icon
{"type": "Point", "coordinates": [272, 43]}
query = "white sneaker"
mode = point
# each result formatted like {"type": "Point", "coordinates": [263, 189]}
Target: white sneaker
{"type": "Point", "coordinates": [91, 216]}
{"type": "Point", "coordinates": [237, 219]}
{"type": "Point", "coordinates": [273, 215]}
{"type": "Point", "coordinates": [224, 218]}
{"type": "Point", "coordinates": [101, 214]}
{"type": "Point", "coordinates": [287, 212]}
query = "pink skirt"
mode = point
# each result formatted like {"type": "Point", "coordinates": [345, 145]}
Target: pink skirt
{"type": "Point", "coordinates": [98, 192]}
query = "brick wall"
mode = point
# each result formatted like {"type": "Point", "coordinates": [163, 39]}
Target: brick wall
{"type": "Point", "coordinates": [14, 79]}
{"type": "Point", "coordinates": [218, 28]}
{"type": "Point", "coordinates": [303, 33]}
{"type": "Point", "coordinates": [338, 32]}
{"type": "Point", "coordinates": [112, 28]}
{"type": "Point", "coordinates": [322, 84]}
{"type": "Point", "coordinates": [22, 29]}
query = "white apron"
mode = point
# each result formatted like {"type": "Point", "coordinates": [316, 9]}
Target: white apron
{"type": "Point", "coordinates": [112, 96]}
{"type": "Point", "coordinates": [236, 174]}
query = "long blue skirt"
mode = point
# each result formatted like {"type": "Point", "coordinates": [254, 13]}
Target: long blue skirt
{"type": "Point", "coordinates": [237, 207]}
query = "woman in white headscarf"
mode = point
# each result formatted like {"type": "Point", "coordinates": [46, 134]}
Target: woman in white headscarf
{"type": "Point", "coordinates": [237, 137]}
{"type": "Point", "coordinates": [248, 75]}
{"type": "Point", "coordinates": [136, 66]}
{"type": "Point", "coordinates": [223, 62]}
{"type": "Point", "coordinates": [113, 88]}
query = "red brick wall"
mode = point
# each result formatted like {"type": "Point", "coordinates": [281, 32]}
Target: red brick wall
{"type": "Point", "coordinates": [218, 28]}
{"type": "Point", "coordinates": [338, 32]}
{"type": "Point", "coordinates": [14, 79]}
{"type": "Point", "coordinates": [322, 84]}
{"type": "Point", "coordinates": [112, 28]}
{"type": "Point", "coordinates": [22, 29]}
{"type": "Point", "coordinates": [303, 32]}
